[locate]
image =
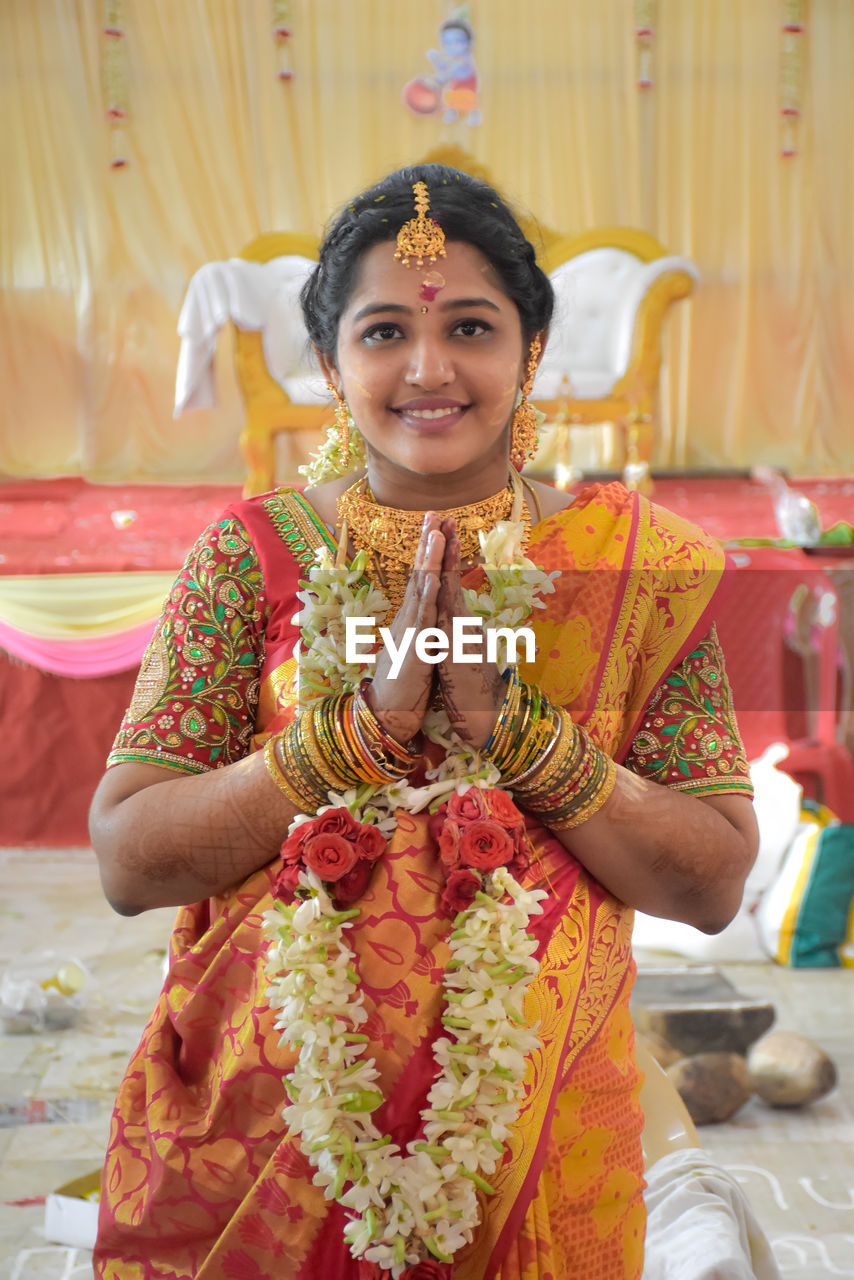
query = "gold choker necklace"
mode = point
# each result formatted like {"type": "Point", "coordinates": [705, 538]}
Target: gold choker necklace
{"type": "Point", "coordinates": [391, 536]}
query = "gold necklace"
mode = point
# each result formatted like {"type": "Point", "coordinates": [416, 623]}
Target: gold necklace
{"type": "Point", "coordinates": [391, 536]}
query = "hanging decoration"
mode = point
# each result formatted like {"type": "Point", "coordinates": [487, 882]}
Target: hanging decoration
{"type": "Point", "coordinates": [644, 36]}
{"type": "Point", "coordinates": [791, 75]}
{"type": "Point", "coordinates": [281, 34]}
{"type": "Point", "coordinates": [114, 71]}
{"type": "Point", "coordinates": [453, 82]}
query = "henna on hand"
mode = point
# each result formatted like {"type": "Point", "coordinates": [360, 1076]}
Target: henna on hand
{"type": "Point", "coordinates": [473, 692]}
{"type": "Point", "coordinates": [400, 704]}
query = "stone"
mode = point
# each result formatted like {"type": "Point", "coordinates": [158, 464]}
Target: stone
{"type": "Point", "coordinates": [713, 1086]}
{"type": "Point", "coordinates": [787, 1070]}
{"type": "Point", "coordinates": [696, 1009]}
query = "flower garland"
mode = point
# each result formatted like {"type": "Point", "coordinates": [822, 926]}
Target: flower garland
{"type": "Point", "coordinates": [406, 1208]}
{"type": "Point", "coordinates": [327, 462]}
{"type": "Point", "coordinates": [426, 1200]}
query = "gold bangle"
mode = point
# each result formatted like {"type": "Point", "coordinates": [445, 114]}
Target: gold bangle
{"type": "Point", "coordinates": [274, 768]}
{"type": "Point", "coordinates": [539, 763]}
{"type": "Point", "coordinates": [560, 787]}
{"type": "Point", "coordinates": [575, 785]}
{"type": "Point", "coordinates": [524, 731]}
{"type": "Point", "coordinates": [593, 805]}
{"type": "Point", "coordinates": [555, 767]}
{"type": "Point", "coordinates": [297, 757]}
{"type": "Point", "coordinates": [397, 758]}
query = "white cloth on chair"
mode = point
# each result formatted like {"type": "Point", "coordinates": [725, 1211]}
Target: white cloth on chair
{"type": "Point", "coordinates": [700, 1225]}
{"type": "Point", "coordinates": [254, 296]}
{"type": "Point", "coordinates": [597, 295]}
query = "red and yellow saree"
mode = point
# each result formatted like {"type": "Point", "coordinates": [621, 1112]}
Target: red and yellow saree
{"type": "Point", "coordinates": [201, 1178]}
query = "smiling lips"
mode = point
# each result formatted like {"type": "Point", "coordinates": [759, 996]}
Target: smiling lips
{"type": "Point", "coordinates": [435, 412]}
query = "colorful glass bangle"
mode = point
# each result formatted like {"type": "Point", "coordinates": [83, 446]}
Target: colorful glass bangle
{"type": "Point", "coordinates": [402, 756]}
{"type": "Point", "coordinates": [574, 784]}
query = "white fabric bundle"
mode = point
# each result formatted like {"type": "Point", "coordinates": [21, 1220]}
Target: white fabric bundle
{"type": "Point", "coordinates": [700, 1225]}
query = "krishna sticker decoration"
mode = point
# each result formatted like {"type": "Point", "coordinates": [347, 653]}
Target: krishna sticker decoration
{"type": "Point", "coordinates": [453, 83]}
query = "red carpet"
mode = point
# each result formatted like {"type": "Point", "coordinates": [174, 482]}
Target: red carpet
{"type": "Point", "coordinates": [65, 526]}
{"type": "Point", "coordinates": [57, 731]}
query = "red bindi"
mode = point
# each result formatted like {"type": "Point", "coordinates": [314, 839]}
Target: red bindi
{"type": "Point", "coordinates": [431, 284]}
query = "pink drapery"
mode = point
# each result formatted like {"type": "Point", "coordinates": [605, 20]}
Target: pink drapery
{"type": "Point", "coordinates": [82, 659]}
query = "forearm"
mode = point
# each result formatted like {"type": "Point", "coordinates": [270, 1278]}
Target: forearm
{"type": "Point", "coordinates": [166, 839]}
{"type": "Point", "coordinates": [667, 853]}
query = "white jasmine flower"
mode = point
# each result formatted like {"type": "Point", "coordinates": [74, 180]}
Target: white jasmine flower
{"type": "Point", "coordinates": [502, 545]}
{"type": "Point", "coordinates": [357, 1233]}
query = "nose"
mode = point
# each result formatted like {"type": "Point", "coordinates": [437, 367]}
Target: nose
{"type": "Point", "coordinates": [430, 365]}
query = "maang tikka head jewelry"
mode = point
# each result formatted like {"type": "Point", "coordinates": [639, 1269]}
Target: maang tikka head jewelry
{"type": "Point", "coordinates": [420, 237]}
{"type": "Point", "coordinates": [523, 429]}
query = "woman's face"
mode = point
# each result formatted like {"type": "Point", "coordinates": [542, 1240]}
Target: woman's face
{"type": "Point", "coordinates": [430, 360]}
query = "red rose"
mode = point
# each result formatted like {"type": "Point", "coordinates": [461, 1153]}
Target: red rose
{"type": "Point", "coordinates": [436, 821]}
{"type": "Point", "coordinates": [503, 810]}
{"type": "Point", "coordinates": [449, 843]}
{"type": "Point", "coordinates": [329, 856]}
{"type": "Point", "coordinates": [470, 807]}
{"type": "Point", "coordinates": [292, 848]}
{"type": "Point", "coordinates": [335, 822]}
{"type": "Point", "coordinates": [353, 883]}
{"type": "Point", "coordinates": [485, 845]}
{"type": "Point", "coordinates": [287, 880]}
{"type": "Point", "coordinates": [370, 842]}
{"type": "Point", "coordinates": [460, 889]}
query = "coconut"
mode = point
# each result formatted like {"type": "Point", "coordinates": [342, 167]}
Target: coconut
{"type": "Point", "coordinates": [787, 1070]}
{"type": "Point", "coordinates": [713, 1086]}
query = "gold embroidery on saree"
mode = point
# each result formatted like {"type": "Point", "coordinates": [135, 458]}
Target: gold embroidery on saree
{"type": "Point", "coordinates": [152, 679]}
{"type": "Point", "coordinates": [582, 973]}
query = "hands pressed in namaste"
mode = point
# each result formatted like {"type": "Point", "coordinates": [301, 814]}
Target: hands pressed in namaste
{"type": "Point", "coordinates": [472, 692]}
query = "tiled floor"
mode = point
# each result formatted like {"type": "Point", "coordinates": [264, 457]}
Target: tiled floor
{"type": "Point", "coordinates": [797, 1168]}
{"type": "Point", "coordinates": [52, 900]}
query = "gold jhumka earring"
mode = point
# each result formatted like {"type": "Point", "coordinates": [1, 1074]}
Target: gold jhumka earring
{"type": "Point", "coordinates": [420, 237]}
{"type": "Point", "coordinates": [342, 423]}
{"type": "Point", "coordinates": [523, 429]}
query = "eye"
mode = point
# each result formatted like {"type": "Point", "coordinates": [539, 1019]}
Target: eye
{"type": "Point", "coordinates": [471, 328]}
{"type": "Point", "coordinates": [385, 331]}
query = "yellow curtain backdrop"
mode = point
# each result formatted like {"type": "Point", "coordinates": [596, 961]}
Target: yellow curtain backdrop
{"type": "Point", "coordinates": [94, 260]}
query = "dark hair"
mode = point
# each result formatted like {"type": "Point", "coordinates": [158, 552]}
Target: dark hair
{"type": "Point", "coordinates": [465, 208]}
{"type": "Point", "coordinates": [458, 24]}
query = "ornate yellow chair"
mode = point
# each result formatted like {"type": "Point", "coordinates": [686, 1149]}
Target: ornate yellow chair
{"type": "Point", "coordinates": [282, 391]}
{"type": "Point", "coordinates": [602, 364]}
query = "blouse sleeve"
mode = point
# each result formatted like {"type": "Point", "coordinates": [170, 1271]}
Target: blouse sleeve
{"type": "Point", "coordinates": [688, 739]}
{"type": "Point", "coordinates": [193, 706]}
